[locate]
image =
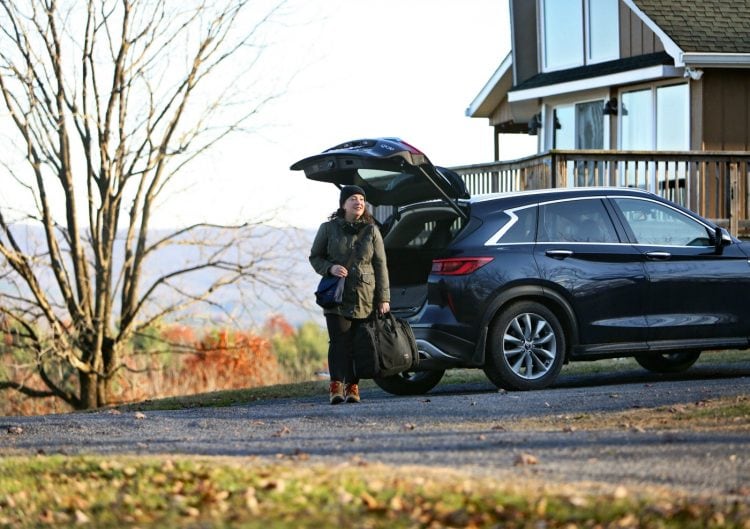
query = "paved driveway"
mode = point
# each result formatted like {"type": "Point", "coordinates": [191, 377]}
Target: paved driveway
{"type": "Point", "coordinates": [471, 426]}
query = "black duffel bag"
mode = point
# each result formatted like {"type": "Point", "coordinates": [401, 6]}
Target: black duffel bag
{"type": "Point", "coordinates": [384, 346]}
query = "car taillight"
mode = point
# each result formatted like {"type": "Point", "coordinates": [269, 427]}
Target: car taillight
{"type": "Point", "coordinates": [458, 266]}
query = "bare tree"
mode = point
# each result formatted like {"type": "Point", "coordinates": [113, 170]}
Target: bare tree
{"type": "Point", "coordinates": [109, 100]}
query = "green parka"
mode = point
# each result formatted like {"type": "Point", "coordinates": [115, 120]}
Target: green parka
{"type": "Point", "coordinates": [367, 282]}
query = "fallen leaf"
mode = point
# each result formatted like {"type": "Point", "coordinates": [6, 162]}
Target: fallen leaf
{"type": "Point", "coordinates": [526, 459]}
{"type": "Point", "coordinates": [370, 502]}
{"type": "Point", "coordinates": [80, 517]}
{"type": "Point", "coordinates": [251, 501]}
{"type": "Point", "coordinates": [284, 431]}
{"type": "Point", "coordinates": [278, 485]}
{"type": "Point", "coordinates": [578, 501]}
{"type": "Point", "coordinates": [299, 455]}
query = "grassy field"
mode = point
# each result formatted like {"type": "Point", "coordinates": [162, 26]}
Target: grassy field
{"type": "Point", "coordinates": [56, 491]}
{"type": "Point", "coordinates": [292, 492]}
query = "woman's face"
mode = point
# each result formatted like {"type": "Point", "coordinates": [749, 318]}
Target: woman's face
{"type": "Point", "coordinates": [354, 207]}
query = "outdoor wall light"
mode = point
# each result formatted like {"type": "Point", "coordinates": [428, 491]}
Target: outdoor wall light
{"type": "Point", "coordinates": [610, 107]}
{"type": "Point", "coordinates": [535, 123]}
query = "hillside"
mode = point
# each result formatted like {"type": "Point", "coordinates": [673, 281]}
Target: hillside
{"type": "Point", "coordinates": [283, 282]}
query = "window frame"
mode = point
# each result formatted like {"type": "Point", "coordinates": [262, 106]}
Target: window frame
{"type": "Point", "coordinates": [653, 88]}
{"type": "Point", "coordinates": [586, 45]}
{"type": "Point", "coordinates": [552, 103]}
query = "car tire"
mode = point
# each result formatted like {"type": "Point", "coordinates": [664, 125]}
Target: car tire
{"type": "Point", "coordinates": [410, 382]}
{"type": "Point", "coordinates": [526, 349]}
{"type": "Point", "coordinates": [668, 362]}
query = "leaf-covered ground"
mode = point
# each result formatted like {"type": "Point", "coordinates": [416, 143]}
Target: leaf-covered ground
{"type": "Point", "coordinates": [719, 414]}
{"type": "Point", "coordinates": [57, 491]}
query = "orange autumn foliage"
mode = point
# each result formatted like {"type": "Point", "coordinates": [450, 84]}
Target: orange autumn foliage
{"type": "Point", "coordinates": [232, 360]}
{"type": "Point", "coordinates": [176, 363]}
{"type": "Point", "coordinates": [277, 325]}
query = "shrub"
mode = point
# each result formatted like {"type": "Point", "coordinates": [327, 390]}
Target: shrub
{"type": "Point", "coordinates": [302, 354]}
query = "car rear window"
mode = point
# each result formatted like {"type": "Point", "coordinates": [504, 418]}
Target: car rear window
{"type": "Point", "coordinates": [424, 230]}
{"type": "Point", "coordinates": [523, 226]}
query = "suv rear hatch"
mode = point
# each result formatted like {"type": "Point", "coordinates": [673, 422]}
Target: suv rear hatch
{"type": "Point", "coordinates": [394, 173]}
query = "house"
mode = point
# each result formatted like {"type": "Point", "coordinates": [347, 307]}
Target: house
{"type": "Point", "coordinates": [647, 93]}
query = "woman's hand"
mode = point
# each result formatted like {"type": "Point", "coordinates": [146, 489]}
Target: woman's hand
{"type": "Point", "coordinates": [384, 308]}
{"type": "Point", "coordinates": [338, 271]}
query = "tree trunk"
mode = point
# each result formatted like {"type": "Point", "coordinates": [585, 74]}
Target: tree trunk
{"type": "Point", "coordinates": [109, 358]}
{"type": "Point", "coordinates": [89, 400]}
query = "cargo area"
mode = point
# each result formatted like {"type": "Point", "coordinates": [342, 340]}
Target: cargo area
{"type": "Point", "coordinates": [412, 241]}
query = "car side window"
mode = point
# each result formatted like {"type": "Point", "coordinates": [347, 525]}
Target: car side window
{"type": "Point", "coordinates": [581, 220]}
{"type": "Point", "coordinates": [654, 223]}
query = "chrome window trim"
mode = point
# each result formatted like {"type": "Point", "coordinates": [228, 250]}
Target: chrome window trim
{"type": "Point", "coordinates": [495, 239]}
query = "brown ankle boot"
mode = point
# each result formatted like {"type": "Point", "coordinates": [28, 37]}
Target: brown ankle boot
{"type": "Point", "coordinates": [336, 392]}
{"type": "Point", "coordinates": [352, 393]}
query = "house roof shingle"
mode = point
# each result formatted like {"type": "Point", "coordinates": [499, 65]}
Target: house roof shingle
{"type": "Point", "coordinates": [705, 26]}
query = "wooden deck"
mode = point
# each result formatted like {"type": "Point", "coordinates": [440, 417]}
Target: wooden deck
{"type": "Point", "coordinates": [713, 184]}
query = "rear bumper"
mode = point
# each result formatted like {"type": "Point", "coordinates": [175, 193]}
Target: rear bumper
{"type": "Point", "coordinates": [442, 350]}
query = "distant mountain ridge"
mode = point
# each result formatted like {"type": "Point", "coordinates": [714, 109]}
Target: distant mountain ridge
{"type": "Point", "coordinates": [282, 264]}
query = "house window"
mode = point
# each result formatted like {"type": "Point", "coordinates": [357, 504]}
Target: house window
{"type": "Point", "coordinates": [656, 118]}
{"type": "Point", "coordinates": [579, 126]}
{"type": "Point", "coordinates": [603, 41]}
{"type": "Point", "coordinates": [578, 32]}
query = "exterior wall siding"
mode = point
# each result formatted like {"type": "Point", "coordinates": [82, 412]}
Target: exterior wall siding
{"type": "Point", "coordinates": [726, 110]}
{"type": "Point", "coordinates": [524, 39]}
{"type": "Point", "coordinates": [635, 37]}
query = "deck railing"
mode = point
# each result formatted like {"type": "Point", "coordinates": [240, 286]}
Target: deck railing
{"type": "Point", "coordinates": [714, 184]}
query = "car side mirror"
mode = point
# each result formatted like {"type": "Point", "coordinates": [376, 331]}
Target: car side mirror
{"type": "Point", "coordinates": [721, 238]}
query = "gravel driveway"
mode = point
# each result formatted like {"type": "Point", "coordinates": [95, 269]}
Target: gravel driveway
{"type": "Point", "coordinates": [469, 426]}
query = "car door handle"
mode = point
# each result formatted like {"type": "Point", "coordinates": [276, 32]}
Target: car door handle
{"type": "Point", "coordinates": [658, 256]}
{"type": "Point", "coordinates": [559, 254]}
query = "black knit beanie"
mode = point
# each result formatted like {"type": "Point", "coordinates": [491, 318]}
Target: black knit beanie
{"type": "Point", "coordinates": [348, 191]}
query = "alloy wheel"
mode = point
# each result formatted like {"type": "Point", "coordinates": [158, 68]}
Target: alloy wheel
{"type": "Point", "coordinates": [529, 346]}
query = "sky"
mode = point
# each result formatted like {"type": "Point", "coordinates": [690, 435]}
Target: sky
{"type": "Point", "coordinates": [403, 68]}
{"type": "Point", "coordinates": [343, 70]}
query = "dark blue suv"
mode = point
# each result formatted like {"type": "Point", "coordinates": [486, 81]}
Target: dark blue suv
{"type": "Point", "coordinates": [520, 283]}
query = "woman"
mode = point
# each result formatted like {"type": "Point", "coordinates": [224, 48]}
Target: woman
{"type": "Point", "coordinates": [350, 231]}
